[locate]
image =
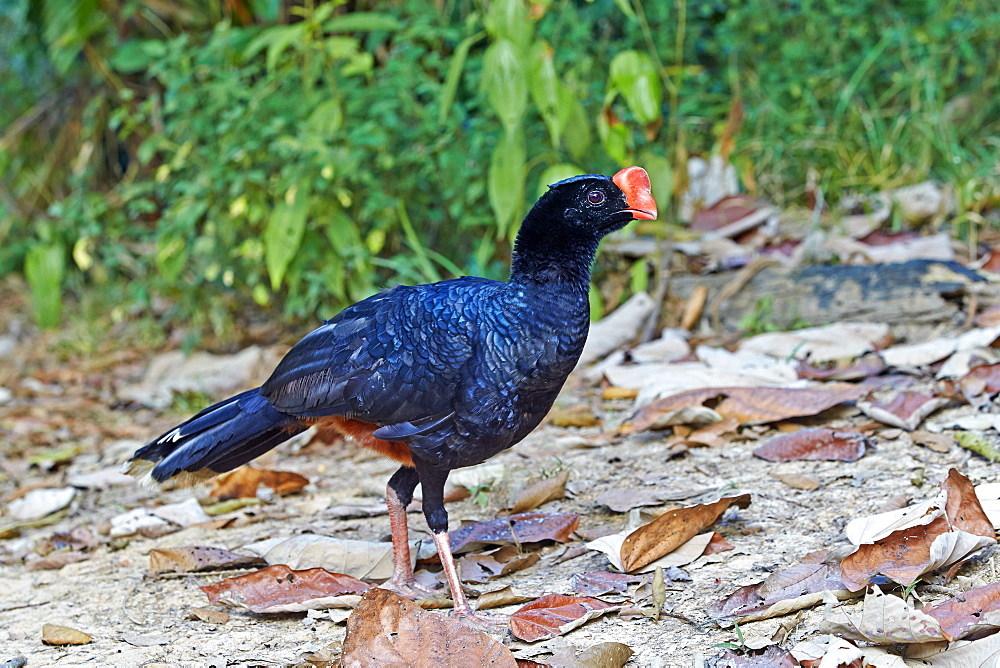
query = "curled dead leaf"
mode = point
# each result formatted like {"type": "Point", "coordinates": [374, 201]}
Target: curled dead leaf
{"type": "Point", "coordinates": [244, 482]}
{"type": "Point", "coordinates": [520, 529]}
{"type": "Point", "coordinates": [195, 558]}
{"type": "Point", "coordinates": [541, 491]}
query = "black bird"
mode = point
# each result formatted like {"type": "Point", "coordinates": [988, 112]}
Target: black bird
{"type": "Point", "coordinates": [436, 376]}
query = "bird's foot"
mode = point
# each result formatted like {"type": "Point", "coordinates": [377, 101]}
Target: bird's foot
{"type": "Point", "coordinates": [491, 624]}
{"type": "Point", "coordinates": [409, 588]}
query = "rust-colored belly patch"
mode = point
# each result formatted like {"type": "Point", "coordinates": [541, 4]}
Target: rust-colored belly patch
{"type": "Point", "coordinates": [361, 432]}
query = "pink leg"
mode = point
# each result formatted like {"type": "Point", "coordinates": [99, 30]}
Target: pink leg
{"type": "Point", "coordinates": [462, 609]}
{"type": "Point", "coordinates": [402, 581]}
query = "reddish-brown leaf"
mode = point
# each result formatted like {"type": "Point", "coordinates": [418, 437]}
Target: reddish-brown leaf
{"type": "Point", "coordinates": [672, 529]}
{"type": "Point", "coordinates": [542, 491]}
{"type": "Point", "coordinates": [753, 405]}
{"type": "Point", "coordinates": [983, 380]}
{"type": "Point", "coordinates": [244, 482]}
{"type": "Point", "coordinates": [198, 558]}
{"type": "Point", "coordinates": [596, 583]}
{"type": "Point", "coordinates": [717, 544]}
{"type": "Point", "coordinates": [280, 589]}
{"type": "Point", "coordinates": [810, 444]}
{"type": "Point", "coordinates": [520, 529]}
{"type": "Point", "coordinates": [906, 410]}
{"type": "Point", "coordinates": [905, 554]}
{"type": "Point", "coordinates": [387, 630]}
{"type": "Point", "coordinates": [484, 567]}
{"type": "Point", "coordinates": [725, 212]}
{"type": "Point", "coordinates": [792, 582]}
{"type": "Point", "coordinates": [554, 614]}
{"type": "Point", "coordinates": [960, 615]}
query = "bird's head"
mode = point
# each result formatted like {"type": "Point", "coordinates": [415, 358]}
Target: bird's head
{"type": "Point", "coordinates": [567, 222]}
{"type": "Point", "coordinates": [595, 204]}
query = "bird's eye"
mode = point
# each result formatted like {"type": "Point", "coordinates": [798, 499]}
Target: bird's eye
{"type": "Point", "coordinates": [595, 197]}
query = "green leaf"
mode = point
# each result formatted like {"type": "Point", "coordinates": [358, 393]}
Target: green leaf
{"type": "Point", "coordinates": [554, 174]}
{"type": "Point", "coordinates": [44, 266]}
{"type": "Point", "coordinates": [276, 39]}
{"type": "Point", "coordinates": [505, 184]}
{"type": "Point", "coordinates": [615, 139]}
{"type": "Point", "coordinates": [661, 177]}
{"type": "Point", "coordinates": [633, 74]}
{"type": "Point", "coordinates": [171, 254]}
{"type": "Point", "coordinates": [284, 231]}
{"type": "Point", "coordinates": [455, 68]}
{"type": "Point", "coordinates": [505, 82]}
{"type": "Point", "coordinates": [576, 131]}
{"type": "Point", "coordinates": [508, 19]}
{"type": "Point", "coordinates": [327, 118]}
{"type": "Point", "coordinates": [136, 55]}
{"type": "Point", "coordinates": [545, 89]}
{"type": "Point", "coordinates": [362, 22]}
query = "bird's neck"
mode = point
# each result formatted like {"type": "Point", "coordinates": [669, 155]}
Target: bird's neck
{"type": "Point", "coordinates": [548, 260]}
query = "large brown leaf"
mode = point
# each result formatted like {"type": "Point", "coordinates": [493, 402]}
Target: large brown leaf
{"type": "Point", "coordinates": [672, 529]}
{"type": "Point", "coordinates": [554, 614]}
{"type": "Point", "coordinates": [518, 529]}
{"type": "Point", "coordinates": [802, 582]}
{"type": "Point", "coordinates": [388, 630]}
{"type": "Point", "coordinates": [280, 589]}
{"type": "Point", "coordinates": [909, 552]}
{"type": "Point", "coordinates": [753, 405]}
{"type": "Point", "coordinates": [244, 481]}
{"type": "Point", "coordinates": [814, 444]}
{"type": "Point", "coordinates": [906, 410]}
{"type": "Point", "coordinates": [195, 558]}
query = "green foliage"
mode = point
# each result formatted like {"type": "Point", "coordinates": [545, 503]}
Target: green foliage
{"type": "Point", "coordinates": [210, 154]}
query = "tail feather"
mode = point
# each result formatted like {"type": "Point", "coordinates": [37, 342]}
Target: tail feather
{"type": "Point", "coordinates": [216, 440]}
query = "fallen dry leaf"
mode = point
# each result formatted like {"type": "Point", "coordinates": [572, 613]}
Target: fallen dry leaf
{"type": "Point", "coordinates": [771, 656]}
{"type": "Point", "coordinates": [624, 499]}
{"type": "Point", "coordinates": [717, 544]}
{"type": "Point", "coordinates": [672, 529]}
{"type": "Point", "coordinates": [954, 531]}
{"type": "Point", "coordinates": [597, 583]}
{"type": "Point", "coordinates": [361, 559]}
{"type": "Point", "coordinates": [244, 482]}
{"type": "Point", "coordinates": [981, 653]}
{"type": "Point", "coordinates": [53, 634]}
{"type": "Point", "coordinates": [937, 442]}
{"type": "Point", "coordinates": [500, 598]}
{"type": "Point", "coordinates": [980, 384]}
{"type": "Point", "coordinates": [78, 539]}
{"type": "Point", "coordinates": [906, 410]}
{"type": "Point", "coordinates": [603, 655]}
{"type": "Point", "coordinates": [195, 558]}
{"type": "Point", "coordinates": [555, 614]}
{"type": "Point", "coordinates": [864, 367]}
{"type": "Point", "coordinates": [784, 591]}
{"type": "Point", "coordinates": [388, 630]}
{"type": "Point", "coordinates": [519, 529]}
{"type": "Point", "coordinates": [753, 405]}
{"type": "Point", "coordinates": [280, 589]}
{"type": "Point", "coordinates": [541, 491]}
{"type": "Point", "coordinates": [207, 615]}
{"type": "Point", "coordinates": [814, 444]}
{"type": "Point", "coordinates": [504, 561]}
{"type": "Point", "coordinates": [797, 481]}
{"type": "Point", "coordinates": [56, 561]}
{"type": "Point", "coordinates": [611, 545]}
{"type": "Point", "coordinates": [969, 613]}
{"type": "Point", "coordinates": [884, 619]}
{"type": "Point", "coordinates": [579, 415]}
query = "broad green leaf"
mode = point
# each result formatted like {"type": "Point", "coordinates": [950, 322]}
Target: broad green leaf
{"type": "Point", "coordinates": [505, 184]}
{"type": "Point", "coordinates": [508, 19]}
{"type": "Point", "coordinates": [362, 22]}
{"type": "Point", "coordinates": [554, 174]}
{"type": "Point", "coordinates": [505, 82]}
{"type": "Point", "coordinates": [137, 54]}
{"type": "Point", "coordinates": [275, 39]}
{"type": "Point", "coordinates": [577, 128]}
{"type": "Point", "coordinates": [44, 266]}
{"type": "Point", "coordinates": [266, 10]}
{"type": "Point", "coordinates": [633, 74]}
{"type": "Point", "coordinates": [327, 118]}
{"type": "Point", "coordinates": [284, 231]}
{"type": "Point", "coordinates": [455, 68]}
{"type": "Point", "coordinates": [615, 139]}
{"type": "Point", "coordinates": [661, 177]}
{"type": "Point", "coordinates": [171, 254]}
{"type": "Point", "coordinates": [545, 88]}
